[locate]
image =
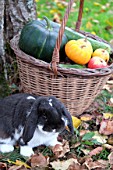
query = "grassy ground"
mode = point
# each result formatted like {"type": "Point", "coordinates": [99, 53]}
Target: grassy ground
{"type": "Point", "coordinates": [97, 15]}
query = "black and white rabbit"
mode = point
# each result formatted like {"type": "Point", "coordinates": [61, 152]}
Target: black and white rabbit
{"type": "Point", "coordinates": [31, 121]}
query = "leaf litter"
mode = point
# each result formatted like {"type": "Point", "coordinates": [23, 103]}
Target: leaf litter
{"type": "Point", "coordinates": [91, 146]}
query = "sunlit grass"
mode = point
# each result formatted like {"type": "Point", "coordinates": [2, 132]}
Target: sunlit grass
{"type": "Point", "coordinates": [97, 15]}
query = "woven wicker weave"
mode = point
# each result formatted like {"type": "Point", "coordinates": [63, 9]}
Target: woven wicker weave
{"type": "Point", "coordinates": [76, 88]}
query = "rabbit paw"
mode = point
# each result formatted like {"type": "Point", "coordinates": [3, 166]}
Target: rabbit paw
{"type": "Point", "coordinates": [26, 151]}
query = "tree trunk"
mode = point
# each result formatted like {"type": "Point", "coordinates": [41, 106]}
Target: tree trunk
{"type": "Point", "coordinates": [13, 15]}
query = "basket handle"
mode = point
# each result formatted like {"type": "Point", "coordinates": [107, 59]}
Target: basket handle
{"type": "Point", "coordinates": [55, 56]}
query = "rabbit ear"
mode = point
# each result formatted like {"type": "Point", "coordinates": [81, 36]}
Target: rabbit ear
{"type": "Point", "coordinates": [62, 109]}
{"type": "Point", "coordinates": [69, 118]}
{"type": "Point", "coordinates": [31, 122]}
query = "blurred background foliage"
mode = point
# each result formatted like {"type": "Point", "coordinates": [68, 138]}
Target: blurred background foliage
{"type": "Point", "coordinates": [97, 15]}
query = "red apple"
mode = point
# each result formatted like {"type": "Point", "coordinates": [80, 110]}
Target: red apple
{"type": "Point", "coordinates": [96, 62]}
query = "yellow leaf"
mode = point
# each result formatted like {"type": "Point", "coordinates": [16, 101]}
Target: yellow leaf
{"type": "Point", "coordinates": [96, 4]}
{"type": "Point", "coordinates": [110, 23]}
{"type": "Point", "coordinates": [52, 11]}
{"type": "Point", "coordinates": [108, 115]}
{"type": "Point", "coordinates": [19, 163]}
{"type": "Point", "coordinates": [86, 9]}
{"type": "Point", "coordinates": [60, 5]}
{"type": "Point", "coordinates": [94, 33]}
{"type": "Point", "coordinates": [89, 25]}
{"type": "Point", "coordinates": [76, 122]}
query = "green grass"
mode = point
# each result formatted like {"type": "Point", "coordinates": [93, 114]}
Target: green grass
{"type": "Point", "coordinates": [97, 15]}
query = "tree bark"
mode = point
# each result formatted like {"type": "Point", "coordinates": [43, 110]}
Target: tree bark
{"type": "Point", "coordinates": [14, 14]}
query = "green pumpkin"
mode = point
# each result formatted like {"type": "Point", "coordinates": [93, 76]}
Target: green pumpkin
{"type": "Point", "coordinates": [38, 39]}
{"type": "Point", "coordinates": [73, 35]}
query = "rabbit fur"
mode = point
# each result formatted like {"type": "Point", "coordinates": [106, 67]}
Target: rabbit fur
{"type": "Point", "coordinates": [30, 121]}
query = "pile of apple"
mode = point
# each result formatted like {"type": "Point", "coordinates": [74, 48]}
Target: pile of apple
{"type": "Point", "coordinates": [81, 52]}
{"type": "Point", "coordinates": [100, 58]}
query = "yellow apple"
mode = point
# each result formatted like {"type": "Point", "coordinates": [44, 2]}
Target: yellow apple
{"type": "Point", "coordinates": [102, 53]}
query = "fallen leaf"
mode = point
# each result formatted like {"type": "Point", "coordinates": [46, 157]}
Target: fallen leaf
{"type": "Point", "coordinates": [107, 146]}
{"type": "Point", "coordinates": [107, 115]}
{"type": "Point", "coordinates": [15, 167]}
{"type": "Point", "coordinates": [53, 11]}
{"type": "Point", "coordinates": [93, 32]}
{"type": "Point", "coordinates": [110, 140]}
{"type": "Point", "coordinates": [89, 25]}
{"type": "Point", "coordinates": [100, 138]}
{"type": "Point", "coordinates": [110, 158]}
{"type": "Point", "coordinates": [19, 163]}
{"type": "Point", "coordinates": [96, 4]}
{"type": "Point", "coordinates": [63, 165]}
{"type": "Point", "coordinates": [90, 164]}
{"type": "Point", "coordinates": [76, 122]}
{"type": "Point", "coordinates": [86, 117]}
{"type": "Point", "coordinates": [106, 127]}
{"type": "Point", "coordinates": [96, 151]}
{"type": "Point", "coordinates": [61, 150]}
{"type": "Point", "coordinates": [88, 136]}
{"type": "Point", "coordinates": [83, 132]}
{"type": "Point", "coordinates": [75, 166]}
{"type": "Point", "coordinates": [39, 160]}
{"type": "Point", "coordinates": [3, 166]}
{"type": "Point", "coordinates": [85, 151]}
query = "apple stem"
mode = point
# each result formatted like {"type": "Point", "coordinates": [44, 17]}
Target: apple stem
{"type": "Point", "coordinates": [82, 46]}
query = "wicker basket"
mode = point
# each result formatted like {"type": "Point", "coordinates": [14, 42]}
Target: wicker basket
{"type": "Point", "coordinates": [76, 88]}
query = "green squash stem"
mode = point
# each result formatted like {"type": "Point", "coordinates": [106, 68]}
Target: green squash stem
{"type": "Point", "coordinates": [49, 27]}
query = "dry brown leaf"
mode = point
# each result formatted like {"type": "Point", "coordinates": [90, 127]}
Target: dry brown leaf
{"type": "Point", "coordinates": [39, 160]}
{"type": "Point", "coordinates": [3, 166]}
{"type": "Point", "coordinates": [63, 165]}
{"type": "Point", "coordinates": [110, 158]}
{"type": "Point", "coordinates": [96, 164]}
{"type": "Point", "coordinates": [107, 146]}
{"type": "Point", "coordinates": [86, 117]}
{"type": "Point", "coordinates": [110, 140]}
{"type": "Point", "coordinates": [83, 132]}
{"type": "Point", "coordinates": [96, 151]}
{"type": "Point", "coordinates": [75, 166]}
{"type": "Point", "coordinates": [85, 151]}
{"type": "Point", "coordinates": [15, 167]}
{"type": "Point", "coordinates": [61, 150]}
{"type": "Point", "coordinates": [106, 127]}
{"type": "Point", "coordinates": [75, 145]}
